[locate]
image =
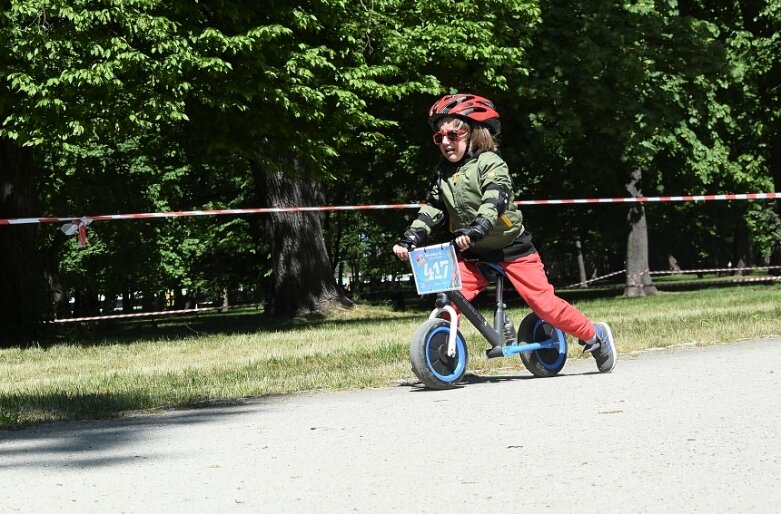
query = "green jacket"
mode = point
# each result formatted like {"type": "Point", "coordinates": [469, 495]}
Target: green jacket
{"type": "Point", "coordinates": [480, 186]}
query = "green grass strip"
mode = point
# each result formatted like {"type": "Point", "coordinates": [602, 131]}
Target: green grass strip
{"type": "Point", "coordinates": [184, 362]}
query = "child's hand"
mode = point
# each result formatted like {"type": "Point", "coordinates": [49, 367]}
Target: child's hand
{"type": "Point", "coordinates": [467, 236]}
{"type": "Point", "coordinates": [401, 252]}
{"type": "Point", "coordinates": [463, 242]}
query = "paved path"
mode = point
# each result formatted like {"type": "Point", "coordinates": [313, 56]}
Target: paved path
{"type": "Point", "coordinates": [680, 430]}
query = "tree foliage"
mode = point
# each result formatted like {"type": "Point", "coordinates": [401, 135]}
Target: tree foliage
{"type": "Point", "coordinates": [144, 105]}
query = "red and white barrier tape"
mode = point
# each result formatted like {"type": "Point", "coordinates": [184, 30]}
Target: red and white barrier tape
{"type": "Point", "coordinates": [148, 314]}
{"type": "Point", "coordinates": [711, 270]}
{"type": "Point", "coordinates": [682, 272]}
{"type": "Point", "coordinates": [79, 225]}
{"type": "Point", "coordinates": [134, 315]}
{"type": "Point", "coordinates": [214, 212]}
{"type": "Point", "coordinates": [649, 199]}
{"type": "Point", "coordinates": [597, 279]}
{"type": "Point", "coordinates": [219, 212]}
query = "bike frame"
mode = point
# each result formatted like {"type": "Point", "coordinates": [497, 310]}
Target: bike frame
{"type": "Point", "coordinates": [493, 334]}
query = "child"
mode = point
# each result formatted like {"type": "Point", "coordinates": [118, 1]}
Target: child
{"type": "Point", "coordinates": [473, 194]}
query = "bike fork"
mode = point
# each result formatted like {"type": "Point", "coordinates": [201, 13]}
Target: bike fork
{"type": "Point", "coordinates": [451, 336]}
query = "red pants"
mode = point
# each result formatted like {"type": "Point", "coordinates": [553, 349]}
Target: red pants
{"type": "Point", "coordinates": [527, 275]}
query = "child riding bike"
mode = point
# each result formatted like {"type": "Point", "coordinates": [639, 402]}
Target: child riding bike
{"type": "Point", "coordinates": [473, 195]}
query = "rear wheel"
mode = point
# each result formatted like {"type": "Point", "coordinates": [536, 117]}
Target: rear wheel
{"type": "Point", "coordinates": [429, 358]}
{"type": "Point", "coordinates": [546, 362]}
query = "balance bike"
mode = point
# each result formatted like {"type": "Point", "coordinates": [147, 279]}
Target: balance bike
{"type": "Point", "coordinates": [438, 351]}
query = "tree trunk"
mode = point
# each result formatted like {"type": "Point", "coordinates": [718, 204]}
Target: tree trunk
{"type": "Point", "coordinates": [775, 170]}
{"type": "Point", "coordinates": [638, 280]}
{"type": "Point", "coordinates": [303, 279]}
{"type": "Point", "coordinates": [23, 292]}
{"type": "Point", "coordinates": [581, 263]}
{"type": "Point", "coordinates": [742, 247]}
{"type": "Point", "coordinates": [50, 257]}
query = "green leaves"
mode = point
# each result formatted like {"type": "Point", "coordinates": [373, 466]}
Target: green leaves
{"type": "Point", "coordinates": [174, 100]}
{"type": "Point", "coordinates": [79, 72]}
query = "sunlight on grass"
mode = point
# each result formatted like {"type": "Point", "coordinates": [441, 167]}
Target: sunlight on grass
{"type": "Point", "coordinates": [364, 347]}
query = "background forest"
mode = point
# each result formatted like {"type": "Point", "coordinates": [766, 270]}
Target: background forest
{"type": "Point", "coordinates": [125, 106]}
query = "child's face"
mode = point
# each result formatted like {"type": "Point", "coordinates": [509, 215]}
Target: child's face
{"type": "Point", "coordinates": [453, 150]}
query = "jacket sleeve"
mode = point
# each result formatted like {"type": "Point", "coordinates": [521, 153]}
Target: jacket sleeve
{"type": "Point", "coordinates": [430, 216]}
{"type": "Point", "coordinates": [496, 186]}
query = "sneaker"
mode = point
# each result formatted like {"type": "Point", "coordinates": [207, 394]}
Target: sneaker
{"type": "Point", "coordinates": [603, 349]}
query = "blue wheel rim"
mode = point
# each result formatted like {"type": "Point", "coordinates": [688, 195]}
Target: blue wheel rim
{"type": "Point", "coordinates": [543, 358]}
{"type": "Point", "coordinates": [460, 360]}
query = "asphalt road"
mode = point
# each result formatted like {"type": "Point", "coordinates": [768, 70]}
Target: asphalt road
{"type": "Point", "coordinates": [680, 430]}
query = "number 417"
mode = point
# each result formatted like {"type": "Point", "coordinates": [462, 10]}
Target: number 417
{"type": "Point", "coordinates": [436, 270]}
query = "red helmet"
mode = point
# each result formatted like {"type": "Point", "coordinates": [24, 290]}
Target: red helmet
{"type": "Point", "coordinates": [467, 107]}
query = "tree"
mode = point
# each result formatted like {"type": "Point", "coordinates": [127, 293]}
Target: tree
{"type": "Point", "coordinates": [22, 290]}
{"type": "Point", "coordinates": [321, 75]}
{"type": "Point", "coordinates": [287, 105]}
{"type": "Point", "coordinates": [616, 87]}
{"type": "Point", "coordinates": [638, 280]}
{"type": "Point", "coordinates": [79, 78]}
{"type": "Point", "coordinates": [751, 32]}
{"type": "Point", "coordinates": [151, 105]}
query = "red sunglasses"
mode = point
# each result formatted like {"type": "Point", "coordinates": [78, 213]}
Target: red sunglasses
{"type": "Point", "coordinates": [451, 135]}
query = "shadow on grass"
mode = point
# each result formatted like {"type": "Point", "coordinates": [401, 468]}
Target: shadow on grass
{"type": "Point", "coordinates": [128, 331]}
{"type": "Point", "coordinates": [237, 322]}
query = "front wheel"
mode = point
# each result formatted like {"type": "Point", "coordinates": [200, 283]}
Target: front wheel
{"type": "Point", "coordinates": [429, 358]}
{"type": "Point", "coordinates": [546, 362]}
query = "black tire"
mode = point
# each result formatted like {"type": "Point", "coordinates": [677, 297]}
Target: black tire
{"type": "Point", "coordinates": [547, 362]}
{"type": "Point", "coordinates": [428, 355]}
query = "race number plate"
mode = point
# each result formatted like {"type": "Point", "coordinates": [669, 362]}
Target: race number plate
{"type": "Point", "coordinates": [435, 268]}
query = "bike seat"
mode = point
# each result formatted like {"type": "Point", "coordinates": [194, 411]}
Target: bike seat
{"type": "Point", "coordinates": [490, 270]}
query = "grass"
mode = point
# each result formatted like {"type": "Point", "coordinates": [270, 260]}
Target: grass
{"type": "Point", "coordinates": [184, 362]}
